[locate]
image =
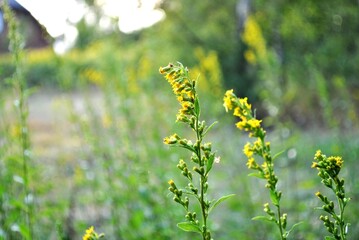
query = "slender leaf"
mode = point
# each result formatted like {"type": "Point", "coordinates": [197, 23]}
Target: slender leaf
{"type": "Point", "coordinates": [264, 218]}
{"type": "Point", "coordinates": [274, 197]}
{"type": "Point", "coordinates": [189, 227]}
{"type": "Point", "coordinates": [208, 128]}
{"type": "Point", "coordinates": [278, 154]}
{"type": "Point", "coordinates": [219, 201]}
{"type": "Point", "coordinates": [210, 163]}
{"type": "Point", "coordinates": [197, 107]}
{"type": "Point", "coordinates": [329, 238]}
{"type": "Point", "coordinates": [257, 174]}
{"type": "Point", "coordinates": [294, 226]}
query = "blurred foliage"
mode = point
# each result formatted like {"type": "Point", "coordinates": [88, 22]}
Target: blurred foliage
{"type": "Point", "coordinates": [275, 54]}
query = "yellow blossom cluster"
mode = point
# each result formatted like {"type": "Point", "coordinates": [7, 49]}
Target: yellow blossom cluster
{"type": "Point", "coordinates": [91, 234]}
{"type": "Point", "coordinates": [242, 109]}
{"type": "Point", "coordinates": [183, 87]}
{"type": "Point", "coordinates": [332, 165]}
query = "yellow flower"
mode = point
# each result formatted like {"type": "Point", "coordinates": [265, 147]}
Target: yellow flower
{"type": "Point", "coordinates": [244, 103]}
{"type": "Point", "coordinates": [336, 161]}
{"type": "Point", "coordinates": [242, 124]}
{"type": "Point", "coordinates": [248, 151]}
{"type": "Point", "coordinates": [88, 233]}
{"type": "Point", "coordinates": [251, 163]}
{"type": "Point", "coordinates": [237, 112]}
{"type": "Point", "coordinates": [161, 70]}
{"type": "Point", "coordinates": [228, 105]}
{"type": "Point", "coordinates": [254, 123]}
{"type": "Point", "coordinates": [318, 154]}
{"type": "Point", "coordinates": [314, 164]}
{"type": "Point", "coordinates": [172, 139]}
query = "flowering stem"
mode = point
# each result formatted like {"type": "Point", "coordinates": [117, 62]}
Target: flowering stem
{"type": "Point", "coordinates": [202, 156]}
{"type": "Point", "coordinates": [329, 168]}
{"type": "Point", "coordinates": [260, 147]}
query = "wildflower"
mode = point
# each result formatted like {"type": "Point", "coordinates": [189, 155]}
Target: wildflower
{"type": "Point", "coordinates": [228, 105]}
{"type": "Point", "coordinates": [254, 123]}
{"type": "Point", "coordinates": [248, 151]}
{"type": "Point", "coordinates": [242, 125]}
{"type": "Point", "coordinates": [244, 104]}
{"type": "Point", "coordinates": [172, 139]}
{"type": "Point", "coordinates": [331, 165]}
{"type": "Point", "coordinates": [171, 182]}
{"type": "Point", "coordinates": [89, 233]}
{"type": "Point", "coordinates": [329, 168]}
{"type": "Point", "coordinates": [251, 163]}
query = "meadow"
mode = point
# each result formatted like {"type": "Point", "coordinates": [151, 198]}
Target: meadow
{"type": "Point", "coordinates": [82, 144]}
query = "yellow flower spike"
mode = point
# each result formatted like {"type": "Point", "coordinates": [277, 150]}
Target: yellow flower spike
{"type": "Point", "coordinates": [254, 123]}
{"type": "Point", "coordinates": [248, 151]}
{"type": "Point", "coordinates": [88, 234]}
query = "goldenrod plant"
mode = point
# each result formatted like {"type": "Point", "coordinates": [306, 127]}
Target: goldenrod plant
{"type": "Point", "coordinates": [265, 169]}
{"type": "Point", "coordinates": [328, 170]}
{"type": "Point", "coordinates": [202, 158]}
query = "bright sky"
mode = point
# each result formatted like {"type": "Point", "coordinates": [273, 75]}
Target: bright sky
{"type": "Point", "coordinates": [59, 16]}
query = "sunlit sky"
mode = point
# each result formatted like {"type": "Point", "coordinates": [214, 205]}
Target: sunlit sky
{"type": "Point", "coordinates": [59, 17]}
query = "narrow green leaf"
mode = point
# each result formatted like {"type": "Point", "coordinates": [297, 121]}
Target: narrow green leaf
{"type": "Point", "coordinates": [278, 154]}
{"type": "Point", "coordinates": [274, 198]}
{"type": "Point", "coordinates": [197, 107]}
{"type": "Point", "coordinates": [189, 227]}
{"type": "Point", "coordinates": [208, 128]}
{"type": "Point", "coordinates": [215, 204]}
{"type": "Point", "coordinates": [263, 218]}
{"type": "Point", "coordinates": [210, 163]}
{"type": "Point", "coordinates": [294, 226]}
{"type": "Point", "coordinates": [256, 174]}
{"type": "Point", "coordinates": [329, 238]}
{"type": "Point", "coordinates": [186, 147]}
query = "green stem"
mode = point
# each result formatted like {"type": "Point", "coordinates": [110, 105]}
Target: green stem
{"type": "Point", "coordinates": [203, 177]}
{"type": "Point", "coordinates": [280, 223]}
{"type": "Point", "coordinates": [341, 219]}
{"type": "Point", "coordinates": [268, 159]}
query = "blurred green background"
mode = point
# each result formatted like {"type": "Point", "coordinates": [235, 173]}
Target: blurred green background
{"type": "Point", "coordinates": [99, 111]}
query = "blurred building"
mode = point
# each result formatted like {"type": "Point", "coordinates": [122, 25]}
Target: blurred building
{"type": "Point", "coordinates": [34, 33]}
